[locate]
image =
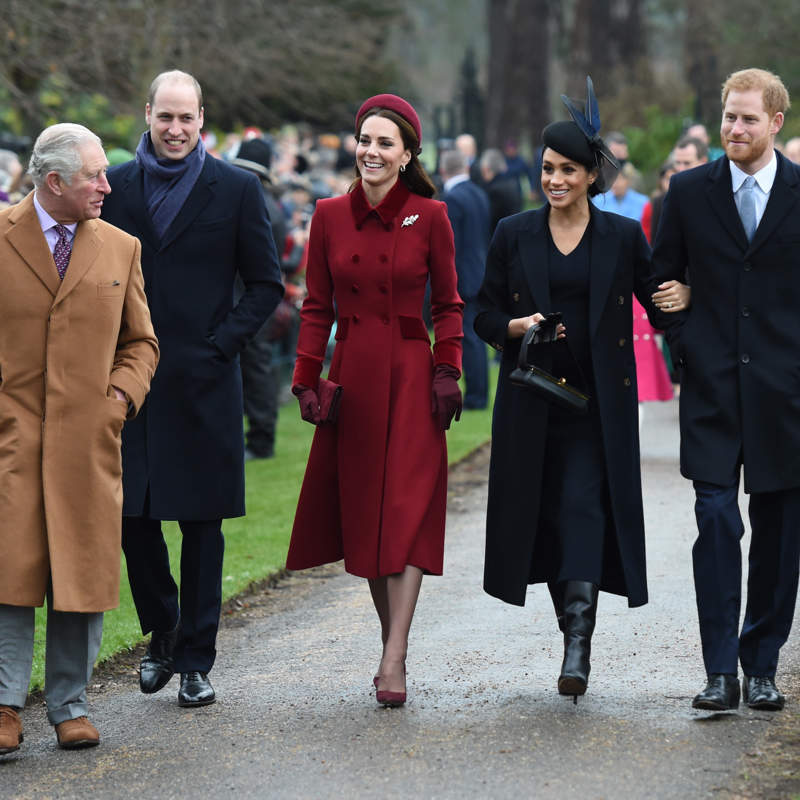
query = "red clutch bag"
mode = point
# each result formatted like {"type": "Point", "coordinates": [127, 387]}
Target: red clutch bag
{"type": "Point", "coordinates": [330, 396]}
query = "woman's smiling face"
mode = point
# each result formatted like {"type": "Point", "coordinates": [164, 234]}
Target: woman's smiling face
{"type": "Point", "coordinates": [380, 153]}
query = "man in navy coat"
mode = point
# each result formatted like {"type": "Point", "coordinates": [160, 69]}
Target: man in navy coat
{"type": "Point", "coordinates": [731, 228]}
{"type": "Point", "coordinates": [200, 222]}
{"type": "Point", "coordinates": [468, 210]}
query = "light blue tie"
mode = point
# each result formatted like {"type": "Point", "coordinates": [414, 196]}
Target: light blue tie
{"type": "Point", "coordinates": [747, 206]}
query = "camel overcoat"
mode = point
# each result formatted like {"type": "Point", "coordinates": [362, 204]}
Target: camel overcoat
{"type": "Point", "coordinates": [62, 347]}
{"type": "Point", "coordinates": [375, 488]}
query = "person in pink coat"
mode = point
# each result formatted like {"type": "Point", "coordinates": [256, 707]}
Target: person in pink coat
{"type": "Point", "coordinates": [375, 487]}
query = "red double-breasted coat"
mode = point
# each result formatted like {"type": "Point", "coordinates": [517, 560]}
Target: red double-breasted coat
{"type": "Point", "coordinates": [375, 487]}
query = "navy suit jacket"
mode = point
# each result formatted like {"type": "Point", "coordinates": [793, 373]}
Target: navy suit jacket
{"type": "Point", "coordinates": [739, 342]}
{"type": "Point", "coordinates": [468, 210]}
{"type": "Point", "coordinates": [186, 447]}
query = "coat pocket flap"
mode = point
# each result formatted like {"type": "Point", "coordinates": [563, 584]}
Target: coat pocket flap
{"type": "Point", "coordinates": [413, 328]}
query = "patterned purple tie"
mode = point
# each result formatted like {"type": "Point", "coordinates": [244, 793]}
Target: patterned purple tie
{"type": "Point", "coordinates": [62, 250]}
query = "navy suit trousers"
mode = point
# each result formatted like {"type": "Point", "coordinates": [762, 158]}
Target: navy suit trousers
{"type": "Point", "coordinates": [474, 361]}
{"type": "Point", "coordinates": [774, 565]}
{"type": "Point", "coordinates": [155, 593]}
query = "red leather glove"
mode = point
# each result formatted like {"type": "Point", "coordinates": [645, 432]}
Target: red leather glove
{"type": "Point", "coordinates": [309, 403]}
{"type": "Point", "coordinates": [446, 396]}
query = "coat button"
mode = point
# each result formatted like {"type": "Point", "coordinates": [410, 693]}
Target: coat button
{"type": "Point", "coordinates": [745, 312]}
{"type": "Point", "coordinates": [515, 297]}
{"type": "Point", "coordinates": [384, 258]}
{"type": "Point", "coordinates": [385, 319]}
{"type": "Point", "coordinates": [384, 289]}
{"type": "Point", "coordinates": [745, 358]}
{"type": "Point", "coordinates": [747, 266]}
{"type": "Point", "coordinates": [355, 288]}
{"type": "Point", "coordinates": [355, 317]}
{"type": "Point", "coordinates": [621, 301]}
{"type": "Point", "coordinates": [627, 381]}
{"type": "Point", "coordinates": [355, 259]}
{"type": "Point", "coordinates": [622, 342]}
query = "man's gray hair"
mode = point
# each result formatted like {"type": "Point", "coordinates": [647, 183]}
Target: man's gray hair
{"type": "Point", "coordinates": [453, 162]}
{"type": "Point", "coordinates": [493, 160]}
{"type": "Point", "coordinates": [57, 149]}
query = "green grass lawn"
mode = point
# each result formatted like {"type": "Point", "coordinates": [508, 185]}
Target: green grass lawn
{"type": "Point", "coordinates": [255, 545]}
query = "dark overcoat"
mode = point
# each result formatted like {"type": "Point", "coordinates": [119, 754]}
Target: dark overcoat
{"type": "Point", "coordinates": [517, 285]}
{"type": "Point", "coordinates": [468, 211]}
{"type": "Point", "coordinates": [187, 446]}
{"type": "Point", "coordinates": [375, 489]}
{"type": "Point", "coordinates": [739, 341]}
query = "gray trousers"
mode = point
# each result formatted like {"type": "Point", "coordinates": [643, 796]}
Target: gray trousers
{"type": "Point", "coordinates": [73, 642]}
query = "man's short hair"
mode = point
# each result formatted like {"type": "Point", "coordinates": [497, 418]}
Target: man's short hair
{"type": "Point", "coordinates": [177, 76]}
{"type": "Point", "coordinates": [701, 148]}
{"type": "Point", "coordinates": [773, 92]}
{"type": "Point", "coordinates": [453, 162]}
{"type": "Point", "coordinates": [57, 149]}
{"type": "Point", "coordinates": [493, 160]}
{"type": "Point", "coordinates": [616, 137]}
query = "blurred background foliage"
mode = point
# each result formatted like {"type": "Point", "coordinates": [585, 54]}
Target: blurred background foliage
{"type": "Point", "coordinates": [492, 67]}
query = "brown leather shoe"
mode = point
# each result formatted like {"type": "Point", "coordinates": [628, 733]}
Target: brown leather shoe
{"type": "Point", "coordinates": [75, 733]}
{"type": "Point", "coordinates": [10, 730]}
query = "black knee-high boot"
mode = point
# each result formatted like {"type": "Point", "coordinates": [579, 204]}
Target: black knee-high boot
{"type": "Point", "coordinates": [580, 610]}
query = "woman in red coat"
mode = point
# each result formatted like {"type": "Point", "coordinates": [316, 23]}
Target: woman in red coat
{"type": "Point", "coordinates": [375, 487]}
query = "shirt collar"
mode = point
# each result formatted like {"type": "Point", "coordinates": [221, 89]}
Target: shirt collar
{"type": "Point", "coordinates": [45, 220]}
{"type": "Point", "coordinates": [386, 210]}
{"type": "Point", "coordinates": [455, 180]}
{"type": "Point", "coordinates": [765, 177]}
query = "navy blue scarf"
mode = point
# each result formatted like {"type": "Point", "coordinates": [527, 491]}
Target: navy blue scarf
{"type": "Point", "coordinates": [167, 182]}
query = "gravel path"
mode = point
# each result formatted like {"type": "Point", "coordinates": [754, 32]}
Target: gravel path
{"type": "Point", "coordinates": [296, 715]}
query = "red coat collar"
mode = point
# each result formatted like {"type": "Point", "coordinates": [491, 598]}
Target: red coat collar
{"type": "Point", "coordinates": [386, 210]}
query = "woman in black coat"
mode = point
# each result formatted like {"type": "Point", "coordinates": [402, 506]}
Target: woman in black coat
{"type": "Point", "coordinates": [565, 502]}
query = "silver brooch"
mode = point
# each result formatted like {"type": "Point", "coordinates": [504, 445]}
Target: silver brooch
{"type": "Point", "coordinates": [408, 221]}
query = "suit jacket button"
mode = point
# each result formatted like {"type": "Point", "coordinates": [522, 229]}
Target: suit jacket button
{"type": "Point", "coordinates": [745, 312]}
{"type": "Point", "coordinates": [747, 266]}
{"type": "Point", "coordinates": [745, 358]}
{"type": "Point", "coordinates": [621, 342]}
{"type": "Point", "coordinates": [515, 297]}
{"type": "Point", "coordinates": [627, 382]}
{"type": "Point", "coordinates": [621, 300]}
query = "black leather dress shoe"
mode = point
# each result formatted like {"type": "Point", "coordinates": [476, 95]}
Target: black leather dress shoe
{"type": "Point", "coordinates": [156, 669]}
{"type": "Point", "coordinates": [196, 690]}
{"type": "Point", "coordinates": [762, 693]}
{"type": "Point", "coordinates": [721, 694]}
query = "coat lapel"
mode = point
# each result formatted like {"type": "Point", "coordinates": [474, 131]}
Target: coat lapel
{"type": "Point", "coordinates": [132, 188]}
{"type": "Point", "coordinates": [720, 194]}
{"type": "Point", "coordinates": [27, 239]}
{"type": "Point", "coordinates": [782, 199]}
{"type": "Point", "coordinates": [602, 267]}
{"type": "Point", "coordinates": [85, 249]}
{"type": "Point", "coordinates": [198, 199]}
{"type": "Point", "coordinates": [532, 244]}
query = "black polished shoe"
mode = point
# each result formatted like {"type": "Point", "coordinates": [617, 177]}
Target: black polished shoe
{"type": "Point", "coordinates": [721, 694]}
{"type": "Point", "coordinates": [762, 693]}
{"type": "Point", "coordinates": [156, 667]}
{"type": "Point", "coordinates": [196, 690]}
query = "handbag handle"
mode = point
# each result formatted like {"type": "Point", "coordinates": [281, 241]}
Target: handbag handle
{"type": "Point", "coordinates": [546, 332]}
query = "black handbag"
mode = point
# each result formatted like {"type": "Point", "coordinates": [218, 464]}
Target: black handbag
{"type": "Point", "coordinates": [547, 386]}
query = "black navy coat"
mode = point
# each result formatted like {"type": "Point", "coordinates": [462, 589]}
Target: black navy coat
{"type": "Point", "coordinates": [468, 211]}
{"type": "Point", "coordinates": [187, 446]}
{"type": "Point", "coordinates": [739, 342]}
{"type": "Point", "coordinates": [517, 285]}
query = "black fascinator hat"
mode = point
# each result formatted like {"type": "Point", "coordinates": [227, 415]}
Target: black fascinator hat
{"type": "Point", "coordinates": [580, 140]}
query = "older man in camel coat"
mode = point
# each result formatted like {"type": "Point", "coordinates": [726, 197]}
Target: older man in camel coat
{"type": "Point", "coordinates": [77, 352]}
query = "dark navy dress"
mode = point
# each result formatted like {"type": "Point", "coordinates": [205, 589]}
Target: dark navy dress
{"type": "Point", "coordinates": [573, 518]}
